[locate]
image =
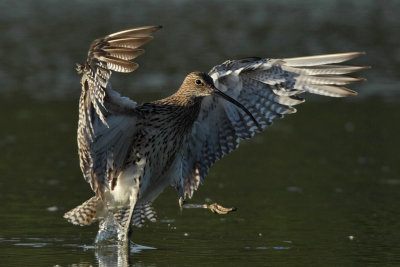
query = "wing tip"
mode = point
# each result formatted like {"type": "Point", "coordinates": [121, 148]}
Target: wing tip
{"type": "Point", "coordinates": [148, 29]}
{"type": "Point", "coordinates": [350, 92]}
{"type": "Point", "coordinates": [357, 79]}
{"type": "Point", "coordinates": [358, 53]}
{"type": "Point", "coordinates": [322, 59]}
{"type": "Point", "coordinates": [346, 92]}
{"type": "Point", "coordinates": [354, 54]}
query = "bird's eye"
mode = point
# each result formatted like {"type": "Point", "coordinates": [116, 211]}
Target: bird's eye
{"type": "Point", "coordinates": [198, 82]}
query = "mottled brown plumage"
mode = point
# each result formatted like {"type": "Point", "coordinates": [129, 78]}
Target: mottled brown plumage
{"type": "Point", "coordinates": [130, 153]}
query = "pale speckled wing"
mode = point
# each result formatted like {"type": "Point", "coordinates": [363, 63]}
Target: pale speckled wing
{"type": "Point", "coordinates": [107, 120]}
{"type": "Point", "coordinates": [269, 89]}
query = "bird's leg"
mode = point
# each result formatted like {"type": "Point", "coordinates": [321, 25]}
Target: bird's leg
{"type": "Point", "coordinates": [133, 198]}
{"type": "Point", "coordinates": [128, 222]}
{"type": "Point", "coordinates": [215, 207]}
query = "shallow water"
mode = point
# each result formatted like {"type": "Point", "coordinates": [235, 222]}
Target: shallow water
{"type": "Point", "coordinates": [318, 188]}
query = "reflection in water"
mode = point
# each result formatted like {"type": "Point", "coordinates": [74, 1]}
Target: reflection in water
{"type": "Point", "coordinates": [109, 249]}
{"type": "Point", "coordinates": [112, 255]}
{"type": "Point", "coordinates": [106, 254]}
{"type": "Point", "coordinates": [117, 255]}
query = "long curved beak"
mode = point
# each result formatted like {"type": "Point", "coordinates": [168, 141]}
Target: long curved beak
{"type": "Point", "coordinates": [233, 101]}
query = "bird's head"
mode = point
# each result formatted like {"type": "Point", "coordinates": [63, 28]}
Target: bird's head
{"type": "Point", "coordinates": [197, 85]}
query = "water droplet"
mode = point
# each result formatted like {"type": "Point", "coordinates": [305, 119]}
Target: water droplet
{"type": "Point", "coordinates": [52, 208]}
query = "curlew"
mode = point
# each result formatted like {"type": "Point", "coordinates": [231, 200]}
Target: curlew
{"type": "Point", "coordinates": [130, 153]}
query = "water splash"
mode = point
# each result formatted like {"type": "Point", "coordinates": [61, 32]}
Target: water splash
{"type": "Point", "coordinates": [110, 231]}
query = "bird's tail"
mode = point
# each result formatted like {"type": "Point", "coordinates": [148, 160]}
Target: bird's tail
{"type": "Point", "coordinates": [86, 213]}
{"type": "Point", "coordinates": [140, 213]}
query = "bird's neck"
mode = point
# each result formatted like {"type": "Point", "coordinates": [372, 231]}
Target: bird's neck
{"type": "Point", "coordinates": [180, 108]}
{"type": "Point", "coordinates": [181, 98]}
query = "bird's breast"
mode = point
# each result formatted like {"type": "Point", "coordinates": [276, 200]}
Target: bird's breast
{"type": "Point", "coordinates": [163, 154]}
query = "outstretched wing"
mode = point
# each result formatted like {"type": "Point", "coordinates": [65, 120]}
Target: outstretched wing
{"type": "Point", "coordinates": [107, 120]}
{"type": "Point", "coordinates": [268, 88]}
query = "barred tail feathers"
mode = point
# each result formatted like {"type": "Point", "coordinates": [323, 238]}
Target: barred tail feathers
{"type": "Point", "coordinates": [140, 213]}
{"type": "Point", "coordinates": [86, 213]}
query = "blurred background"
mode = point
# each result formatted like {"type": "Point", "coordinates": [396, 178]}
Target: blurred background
{"type": "Point", "coordinates": [320, 187]}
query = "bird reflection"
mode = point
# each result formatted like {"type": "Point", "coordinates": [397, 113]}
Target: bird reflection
{"type": "Point", "coordinates": [117, 254]}
{"type": "Point", "coordinates": [113, 255]}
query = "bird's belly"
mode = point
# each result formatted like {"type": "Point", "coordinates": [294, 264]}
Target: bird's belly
{"type": "Point", "coordinates": [127, 186]}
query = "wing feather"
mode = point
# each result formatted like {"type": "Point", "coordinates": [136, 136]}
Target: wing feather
{"type": "Point", "coordinates": [321, 59]}
{"type": "Point", "coordinates": [107, 120]}
{"type": "Point", "coordinates": [131, 42]}
{"type": "Point", "coordinates": [123, 53]}
{"type": "Point", "coordinates": [268, 88]}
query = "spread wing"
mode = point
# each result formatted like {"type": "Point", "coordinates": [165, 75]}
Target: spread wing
{"type": "Point", "coordinates": [107, 120]}
{"type": "Point", "coordinates": [268, 88]}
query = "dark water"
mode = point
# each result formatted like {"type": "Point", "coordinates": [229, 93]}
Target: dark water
{"type": "Point", "coordinates": [319, 188]}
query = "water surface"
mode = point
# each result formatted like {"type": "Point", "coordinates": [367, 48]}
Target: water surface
{"type": "Point", "coordinates": [320, 187]}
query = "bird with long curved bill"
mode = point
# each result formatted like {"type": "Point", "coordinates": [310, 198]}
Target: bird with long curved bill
{"type": "Point", "coordinates": [130, 153]}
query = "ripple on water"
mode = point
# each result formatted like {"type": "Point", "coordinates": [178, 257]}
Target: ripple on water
{"type": "Point", "coordinates": [42, 242]}
{"type": "Point", "coordinates": [33, 245]}
{"type": "Point", "coordinates": [271, 247]}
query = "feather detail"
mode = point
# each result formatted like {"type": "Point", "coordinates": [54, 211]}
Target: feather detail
{"type": "Point", "coordinates": [86, 213]}
{"type": "Point", "coordinates": [119, 65]}
{"type": "Point", "coordinates": [123, 53]}
{"type": "Point", "coordinates": [321, 59]}
{"type": "Point", "coordinates": [328, 69]}
{"type": "Point", "coordinates": [338, 80]}
{"type": "Point", "coordinates": [140, 213]}
{"type": "Point", "coordinates": [329, 90]}
{"type": "Point", "coordinates": [131, 42]}
{"type": "Point", "coordinates": [136, 32]}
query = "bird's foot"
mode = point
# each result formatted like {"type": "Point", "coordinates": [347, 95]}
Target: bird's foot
{"type": "Point", "coordinates": [215, 207]}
